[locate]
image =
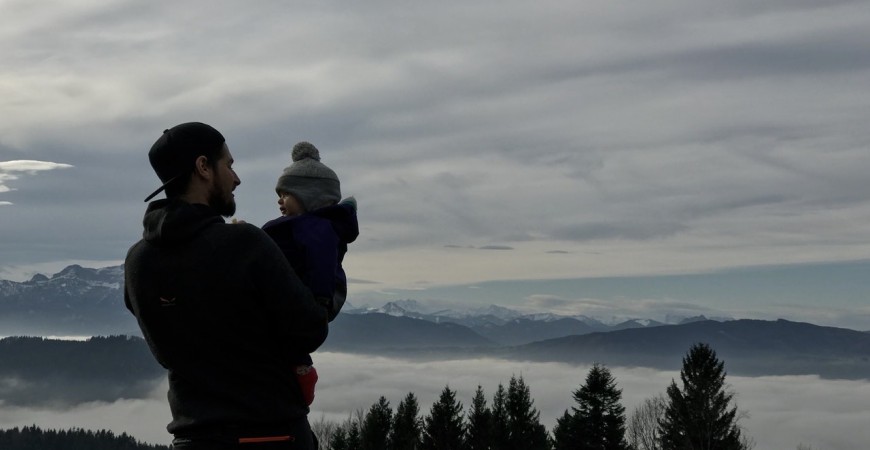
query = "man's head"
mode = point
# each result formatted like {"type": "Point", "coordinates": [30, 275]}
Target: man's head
{"type": "Point", "coordinates": [193, 161]}
{"type": "Point", "coordinates": [311, 183]}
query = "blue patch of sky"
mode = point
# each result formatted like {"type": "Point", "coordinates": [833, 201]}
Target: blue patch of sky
{"type": "Point", "coordinates": [840, 284]}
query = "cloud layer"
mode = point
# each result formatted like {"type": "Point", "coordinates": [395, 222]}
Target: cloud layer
{"type": "Point", "coordinates": [9, 171]}
{"type": "Point", "coordinates": [782, 412]}
{"type": "Point", "coordinates": [577, 139]}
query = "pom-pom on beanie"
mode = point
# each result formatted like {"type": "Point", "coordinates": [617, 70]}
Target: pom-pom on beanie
{"type": "Point", "coordinates": [312, 183]}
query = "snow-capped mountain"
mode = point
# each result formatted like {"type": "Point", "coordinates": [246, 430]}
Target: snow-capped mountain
{"type": "Point", "coordinates": [84, 301]}
{"type": "Point", "coordinates": [76, 300]}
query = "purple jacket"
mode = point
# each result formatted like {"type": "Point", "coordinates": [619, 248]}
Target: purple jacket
{"type": "Point", "coordinates": [315, 244]}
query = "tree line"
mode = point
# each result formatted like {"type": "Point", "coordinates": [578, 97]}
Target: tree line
{"type": "Point", "coordinates": [35, 438]}
{"type": "Point", "coordinates": [697, 414]}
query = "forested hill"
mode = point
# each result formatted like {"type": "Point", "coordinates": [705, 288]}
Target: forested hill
{"type": "Point", "coordinates": [751, 347]}
{"type": "Point", "coordinates": [69, 372]}
{"type": "Point", "coordinates": [35, 438]}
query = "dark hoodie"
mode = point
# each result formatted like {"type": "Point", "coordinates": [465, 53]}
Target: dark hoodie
{"type": "Point", "coordinates": [223, 311]}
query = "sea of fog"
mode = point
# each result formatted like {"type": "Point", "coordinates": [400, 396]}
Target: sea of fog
{"type": "Point", "coordinates": [781, 412]}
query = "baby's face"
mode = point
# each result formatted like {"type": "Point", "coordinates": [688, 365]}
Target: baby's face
{"type": "Point", "coordinates": [288, 205]}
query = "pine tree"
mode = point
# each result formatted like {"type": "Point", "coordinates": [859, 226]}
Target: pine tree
{"type": "Point", "coordinates": [353, 437]}
{"type": "Point", "coordinates": [444, 428]}
{"type": "Point", "coordinates": [500, 430]}
{"type": "Point", "coordinates": [339, 439]}
{"type": "Point", "coordinates": [407, 425]}
{"type": "Point", "coordinates": [599, 416]}
{"type": "Point", "coordinates": [479, 423]}
{"type": "Point", "coordinates": [700, 416]}
{"type": "Point", "coordinates": [564, 433]}
{"type": "Point", "coordinates": [525, 430]}
{"type": "Point", "coordinates": [376, 427]}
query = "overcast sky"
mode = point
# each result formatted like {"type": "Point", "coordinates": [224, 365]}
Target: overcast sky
{"type": "Point", "coordinates": [782, 412]}
{"type": "Point", "coordinates": [483, 140]}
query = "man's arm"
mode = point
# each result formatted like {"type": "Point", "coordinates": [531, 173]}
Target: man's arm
{"type": "Point", "coordinates": [287, 303]}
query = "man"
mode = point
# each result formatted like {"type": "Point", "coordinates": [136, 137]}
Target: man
{"type": "Point", "coordinates": [219, 305]}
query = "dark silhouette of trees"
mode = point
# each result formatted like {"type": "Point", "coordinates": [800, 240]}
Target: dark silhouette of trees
{"type": "Point", "coordinates": [598, 420]}
{"type": "Point", "coordinates": [337, 441]}
{"type": "Point", "coordinates": [564, 433]}
{"type": "Point", "coordinates": [354, 442]}
{"type": "Point", "coordinates": [407, 425]}
{"type": "Point", "coordinates": [35, 438]}
{"type": "Point", "coordinates": [444, 428]}
{"type": "Point", "coordinates": [699, 416]}
{"type": "Point", "coordinates": [479, 430]}
{"type": "Point", "coordinates": [376, 426]}
{"type": "Point", "coordinates": [600, 414]}
{"type": "Point", "coordinates": [500, 421]}
{"type": "Point", "coordinates": [345, 436]}
{"type": "Point", "coordinates": [525, 430]}
{"type": "Point", "coordinates": [70, 372]}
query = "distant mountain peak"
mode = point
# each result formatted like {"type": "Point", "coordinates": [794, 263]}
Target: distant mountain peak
{"type": "Point", "coordinates": [38, 278]}
{"type": "Point", "coordinates": [699, 318]}
{"type": "Point", "coordinates": [393, 309]}
{"type": "Point", "coordinates": [73, 270]}
{"type": "Point", "coordinates": [409, 305]}
{"type": "Point", "coordinates": [498, 311]}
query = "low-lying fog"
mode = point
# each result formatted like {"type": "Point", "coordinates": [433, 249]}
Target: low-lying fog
{"type": "Point", "coordinates": [782, 411]}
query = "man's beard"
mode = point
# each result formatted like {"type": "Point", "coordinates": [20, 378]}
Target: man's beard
{"type": "Point", "coordinates": [224, 205]}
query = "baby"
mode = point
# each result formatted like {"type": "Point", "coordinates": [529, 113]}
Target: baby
{"type": "Point", "coordinates": [313, 232]}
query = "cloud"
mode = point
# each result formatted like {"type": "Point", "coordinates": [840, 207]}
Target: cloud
{"type": "Point", "coordinates": [8, 170]}
{"type": "Point", "coordinates": [358, 281]}
{"type": "Point", "coordinates": [594, 231]}
{"type": "Point", "coordinates": [622, 309]}
{"type": "Point", "coordinates": [666, 140]}
{"type": "Point", "coordinates": [782, 411]}
{"type": "Point", "coordinates": [31, 167]}
{"type": "Point", "coordinates": [669, 311]}
{"type": "Point", "coordinates": [144, 419]}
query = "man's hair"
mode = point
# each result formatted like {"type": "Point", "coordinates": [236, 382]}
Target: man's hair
{"type": "Point", "coordinates": [173, 155]}
{"type": "Point", "coordinates": [179, 185]}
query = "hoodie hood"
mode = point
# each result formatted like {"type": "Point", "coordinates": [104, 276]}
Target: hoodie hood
{"type": "Point", "coordinates": [169, 221]}
{"type": "Point", "coordinates": [343, 219]}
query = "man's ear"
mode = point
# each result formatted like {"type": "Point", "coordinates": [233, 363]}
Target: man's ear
{"type": "Point", "coordinates": [201, 167]}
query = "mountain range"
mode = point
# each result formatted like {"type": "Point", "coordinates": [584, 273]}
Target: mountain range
{"type": "Point", "coordinates": [79, 301]}
{"type": "Point", "coordinates": [74, 301]}
{"type": "Point", "coordinates": [85, 302]}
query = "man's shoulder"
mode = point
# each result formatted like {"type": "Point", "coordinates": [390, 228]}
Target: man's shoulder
{"type": "Point", "coordinates": [134, 251]}
{"type": "Point", "coordinates": [243, 232]}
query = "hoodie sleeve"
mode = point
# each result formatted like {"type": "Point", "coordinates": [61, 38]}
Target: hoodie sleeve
{"type": "Point", "coordinates": [297, 318]}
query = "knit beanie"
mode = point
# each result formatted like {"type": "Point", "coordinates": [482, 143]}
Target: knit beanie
{"type": "Point", "coordinates": [309, 180]}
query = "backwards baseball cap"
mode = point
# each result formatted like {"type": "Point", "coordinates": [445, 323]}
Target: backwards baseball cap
{"type": "Point", "coordinates": [175, 152]}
